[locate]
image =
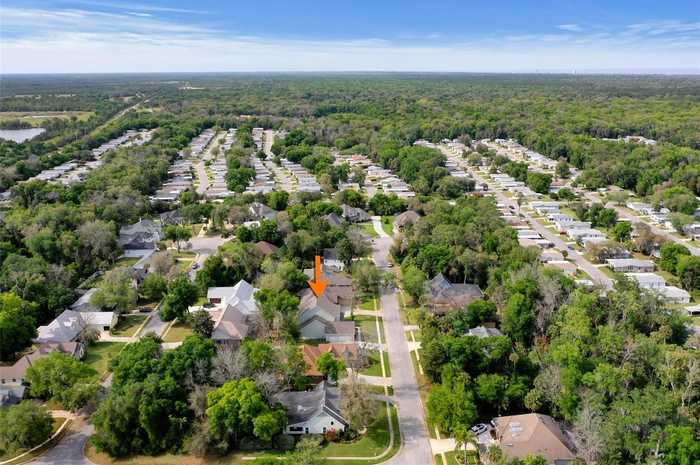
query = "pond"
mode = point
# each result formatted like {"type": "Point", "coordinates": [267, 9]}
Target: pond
{"type": "Point", "coordinates": [20, 135]}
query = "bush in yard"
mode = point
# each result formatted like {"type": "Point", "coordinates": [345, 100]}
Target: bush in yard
{"type": "Point", "coordinates": [24, 426]}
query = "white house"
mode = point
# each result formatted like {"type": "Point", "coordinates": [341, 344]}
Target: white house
{"type": "Point", "coordinates": [312, 412]}
{"type": "Point", "coordinates": [630, 265]}
{"type": "Point", "coordinates": [648, 280]}
{"type": "Point", "coordinates": [675, 295]}
{"type": "Point", "coordinates": [233, 310]}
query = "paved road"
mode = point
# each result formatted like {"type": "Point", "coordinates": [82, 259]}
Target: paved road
{"type": "Point", "coordinates": [596, 275]}
{"type": "Point", "coordinates": [202, 177]}
{"type": "Point", "coordinates": [415, 442]}
{"type": "Point", "coordinates": [622, 213]}
{"type": "Point", "coordinates": [69, 451]}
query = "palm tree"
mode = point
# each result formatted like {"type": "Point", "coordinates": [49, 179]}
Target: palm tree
{"type": "Point", "coordinates": [463, 436]}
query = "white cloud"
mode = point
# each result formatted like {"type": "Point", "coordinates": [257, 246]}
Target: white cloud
{"type": "Point", "coordinates": [88, 41]}
{"type": "Point", "coordinates": [569, 27]}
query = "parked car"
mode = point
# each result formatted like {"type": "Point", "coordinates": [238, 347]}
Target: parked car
{"type": "Point", "coordinates": [479, 428]}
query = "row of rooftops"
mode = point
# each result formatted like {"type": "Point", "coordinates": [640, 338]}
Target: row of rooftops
{"type": "Point", "coordinates": [73, 171]}
{"type": "Point", "coordinates": [180, 171]}
{"type": "Point", "coordinates": [377, 177]}
{"type": "Point", "coordinates": [218, 188]}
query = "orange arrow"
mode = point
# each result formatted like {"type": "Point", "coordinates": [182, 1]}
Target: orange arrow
{"type": "Point", "coordinates": [318, 286]}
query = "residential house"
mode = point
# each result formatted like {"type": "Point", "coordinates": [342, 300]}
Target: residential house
{"type": "Point", "coordinates": [675, 295]}
{"type": "Point", "coordinates": [259, 211]}
{"type": "Point", "coordinates": [353, 214]}
{"type": "Point", "coordinates": [265, 248]}
{"type": "Point", "coordinates": [483, 332]}
{"type": "Point", "coordinates": [630, 265]}
{"type": "Point", "coordinates": [322, 319]}
{"type": "Point", "coordinates": [69, 325]}
{"type": "Point", "coordinates": [564, 266]}
{"type": "Point", "coordinates": [692, 231]}
{"type": "Point", "coordinates": [405, 219]}
{"type": "Point", "coordinates": [143, 235]}
{"type": "Point", "coordinates": [233, 310]}
{"type": "Point", "coordinates": [13, 377]}
{"type": "Point", "coordinates": [350, 353]}
{"type": "Point", "coordinates": [312, 412]}
{"type": "Point", "coordinates": [550, 255]}
{"type": "Point", "coordinates": [331, 260]}
{"type": "Point", "coordinates": [647, 280]}
{"type": "Point", "coordinates": [339, 287]}
{"type": "Point", "coordinates": [333, 220]}
{"type": "Point", "coordinates": [442, 296]}
{"type": "Point", "coordinates": [640, 208]}
{"type": "Point", "coordinates": [531, 434]}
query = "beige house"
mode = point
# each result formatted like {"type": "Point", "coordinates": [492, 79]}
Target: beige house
{"type": "Point", "coordinates": [532, 434]}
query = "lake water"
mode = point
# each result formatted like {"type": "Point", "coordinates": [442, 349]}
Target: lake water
{"type": "Point", "coordinates": [20, 135]}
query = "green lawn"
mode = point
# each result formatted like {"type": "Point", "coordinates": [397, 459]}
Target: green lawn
{"type": "Point", "coordinates": [100, 353]}
{"type": "Point", "coordinates": [126, 261]}
{"type": "Point", "coordinates": [177, 332]}
{"type": "Point", "coordinates": [388, 225]}
{"type": "Point", "coordinates": [368, 228]}
{"type": "Point", "coordinates": [472, 458]}
{"type": "Point", "coordinates": [369, 327]}
{"type": "Point", "coordinates": [372, 444]}
{"type": "Point", "coordinates": [368, 304]}
{"type": "Point", "coordinates": [375, 367]}
{"type": "Point", "coordinates": [127, 325]}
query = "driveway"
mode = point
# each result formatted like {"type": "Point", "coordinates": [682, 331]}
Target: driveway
{"type": "Point", "coordinates": [415, 442]}
{"type": "Point", "coordinates": [69, 451]}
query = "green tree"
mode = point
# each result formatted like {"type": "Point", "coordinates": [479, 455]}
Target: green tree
{"type": "Point", "coordinates": [153, 287]}
{"type": "Point", "coordinates": [181, 294]}
{"type": "Point", "coordinates": [519, 319]}
{"type": "Point", "coordinates": [463, 436]}
{"type": "Point", "coordinates": [622, 231]}
{"type": "Point", "coordinates": [60, 377]}
{"type": "Point", "coordinates": [413, 281]}
{"type": "Point", "coordinates": [202, 323]}
{"type": "Point", "coordinates": [177, 234]}
{"type": "Point", "coordinates": [17, 325]}
{"type": "Point", "coordinates": [688, 272]}
{"type": "Point", "coordinates": [238, 409]}
{"type": "Point", "coordinates": [562, 169]}
{"type": "Point", "coordinates": [451, 404]}
{"type": "Point", "coordinates": [117, 292]}
{"type": "Point", "coordinates": [670, 255]}
{"type": "Point", "coordinates": [680, 446]}
{"type": "Point", "coordinates": [329, 366]}
{"type": "Point", "coordinates": [24, 426]}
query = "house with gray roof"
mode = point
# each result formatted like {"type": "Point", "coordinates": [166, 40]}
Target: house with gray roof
{"type": "Point", "coordinates": [321, 318]}
{"type": "Point", "coordinates": [260, 211]}
{"type": "Point", "coordinates": [312, 412]}
{"type": "Point", "coordinates": [483, 332]}
{"type": "Point", "coordinates": [442, 296]}
{"type": "Point", "coordinates": [405, 219]}
{"type": "Point", "coordinates": [68, 326]}
{"type": "Point", "coordinates": [140, 236]}
{"type": "Point", "coordinates": [630, 265]}
{"type": "Point", "coordinates": [353, 214]}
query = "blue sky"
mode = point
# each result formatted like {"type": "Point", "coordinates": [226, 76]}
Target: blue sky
{"type": "Point", "coordinates": [349, 35]}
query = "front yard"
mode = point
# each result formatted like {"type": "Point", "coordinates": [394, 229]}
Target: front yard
{"type": "Point", "coordinates": [100, 353]}
{"type": "Point", "coordinates": [374, 367]}
{"type": "Point", "coordinates": [368, 327]}
{"type": "Point", "coordinates": [177, 332]}
{"type": "Point", "coordinates": [128, 325]}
